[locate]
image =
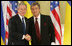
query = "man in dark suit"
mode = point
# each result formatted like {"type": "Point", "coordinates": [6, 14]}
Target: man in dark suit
{"type": "Point", "coordinates": [19, 27]}
{"type": "Point", "coordinates": [41, 27]}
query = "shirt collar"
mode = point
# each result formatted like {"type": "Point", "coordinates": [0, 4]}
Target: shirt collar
{"type": "Point", "coordinates": [21, 16]}
{"type": "Point", "coordinates": [37, 17]}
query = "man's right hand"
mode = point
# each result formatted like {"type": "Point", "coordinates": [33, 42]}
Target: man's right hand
{"type": "Point", "coordinates": [28, 37]}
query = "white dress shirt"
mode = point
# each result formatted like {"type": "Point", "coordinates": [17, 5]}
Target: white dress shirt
{"type": "Point", "coordinates": [39, 20]}
{"type": "Point", "coordinates": [21, 19]}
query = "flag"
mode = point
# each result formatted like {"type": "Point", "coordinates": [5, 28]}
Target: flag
{"type": "Point", "coordinates": [67, 26]}
{"type": "Point", "coordinates": [2, 43]}
{"type": "Point", "coordinates": [2, 27]}
{"type": "Point", "coordinates": [28, 13]}
{"type": "Point", "coordinates": [55, 16]}
{"type": "Point", "coordinates": [9, 10]}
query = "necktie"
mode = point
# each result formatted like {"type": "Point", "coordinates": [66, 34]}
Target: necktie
{"type": "Point", "coordinates": [37, 29]}
{"type": "Point", "coordinates": [23, 25]}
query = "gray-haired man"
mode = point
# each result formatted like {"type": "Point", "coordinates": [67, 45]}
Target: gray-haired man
{"type": "Point", "coordinates": [19, 27]}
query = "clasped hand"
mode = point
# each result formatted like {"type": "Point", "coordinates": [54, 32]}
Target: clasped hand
{"type": "Point", "coordinates": [27, 37]}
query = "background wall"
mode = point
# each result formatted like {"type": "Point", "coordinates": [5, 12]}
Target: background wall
{"type": "Point", "coordinates": [45, 9]}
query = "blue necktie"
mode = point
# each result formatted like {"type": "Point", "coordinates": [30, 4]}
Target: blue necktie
{"type": "Point", "coordinates": [23, 25]}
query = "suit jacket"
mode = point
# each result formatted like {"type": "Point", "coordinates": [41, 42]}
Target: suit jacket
{"type": "Point", "coordinates": [47, 31]}
{"type": "Point", "coordinates": [16, 31]}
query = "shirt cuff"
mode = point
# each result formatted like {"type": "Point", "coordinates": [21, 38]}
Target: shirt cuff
{"type": "Point", "coordinates": [53, 43]}
{"type": "Point", "coordinates": [23, 37]}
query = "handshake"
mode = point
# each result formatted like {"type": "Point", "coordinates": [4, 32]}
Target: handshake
{"type": "Point", "coordinates": [27, 37]}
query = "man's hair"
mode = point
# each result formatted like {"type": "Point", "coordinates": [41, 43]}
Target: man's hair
{"type": "Point", "coordinates": [22, 3]}
{"type": "Point", "coordinates": [35, 3]}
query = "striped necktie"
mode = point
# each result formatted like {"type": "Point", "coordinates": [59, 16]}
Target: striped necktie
{"type": "Point", "coordinates": [23, 25]}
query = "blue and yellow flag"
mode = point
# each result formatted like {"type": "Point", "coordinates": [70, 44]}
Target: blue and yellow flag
{"type": "Point", "coordinates": [2, 28]}
{"type": "Point", "coordinates": [28, 13]}
{"type": "Point", "coordinates": [67, 26]}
